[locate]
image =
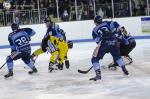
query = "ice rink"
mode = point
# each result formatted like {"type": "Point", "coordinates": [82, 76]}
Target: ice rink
{"type": "Point", "coordinates": [69, 84]}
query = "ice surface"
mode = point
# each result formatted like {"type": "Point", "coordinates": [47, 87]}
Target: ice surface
{"type": "Point", "coordinates": [69, 84]}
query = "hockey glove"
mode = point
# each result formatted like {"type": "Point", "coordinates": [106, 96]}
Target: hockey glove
{"type": "Point", "coordinates": [67, 64]}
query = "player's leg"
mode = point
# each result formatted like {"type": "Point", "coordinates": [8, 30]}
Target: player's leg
{"type": "Point", "coordinates": [113, 65]}
{"type": "Point", "coordinates": [60, 60]}
{"type": "Point", "coordinates": [30, 64]}
{"type": "Point", "coordinates": [53, 59]}
{"type": "Point", "coordinates": [63, 50]}
{"type": "Point", "coordinates": [115, 52]}
{"type": "Point", "coordinates": [98, 54]}
{"type": "Point", "coordinates": [36, 53]}
{"type": "Point", "coordinates": [128, 49]}
{"type": "Point", "coordinates": [26, 59]}
{"type": "Point", "coordinates": [96, 66]}
{"type": "Point", "coordinates": [39, 51]}
{"type": "Point", "coordinates": [9, 60]}
{"type": "Point", "coordinates": [123, 51]}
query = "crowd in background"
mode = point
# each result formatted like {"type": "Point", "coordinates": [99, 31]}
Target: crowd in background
{"type": "Point", "coordinates": [85, 8]}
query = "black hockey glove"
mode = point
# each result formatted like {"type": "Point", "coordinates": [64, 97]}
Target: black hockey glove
{"type": "Point", "coordinates": [67, 64]}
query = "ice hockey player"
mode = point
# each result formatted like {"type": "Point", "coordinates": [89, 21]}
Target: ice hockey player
{"type": "Point", "coordinates": [53, 30]}
{"type": "Point", "coordinates": [127, 44]}
{"type": "Point", "coordinates": [58, 49]}
{"type": "Point", "coordinates": [107, 43]}
{"type": "Point", "coordinates": [19, 41]}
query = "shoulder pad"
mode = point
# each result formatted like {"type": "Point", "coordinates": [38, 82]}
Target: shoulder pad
{"type": "Point", "coordinates": [27, 29]}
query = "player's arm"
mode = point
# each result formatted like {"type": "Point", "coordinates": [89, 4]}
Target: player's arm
{"type": "Point", "coordinates": [48, 33]}
{"type": "Point", "coordinates": [44, 42]}
{"type": "Point", "coordinates": [13, 47]}
{"type": "Point", "coordinates": [115, 27]}
{"type": "Point", "coordinates": [96, 37]}
{"type": "Point", "coordinates": [119, 28]}
{"type": "Point", "coordinates": [29, 31]}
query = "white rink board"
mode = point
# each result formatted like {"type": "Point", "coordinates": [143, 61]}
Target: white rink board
{"type": "Point", "coordinates": [76, 30]}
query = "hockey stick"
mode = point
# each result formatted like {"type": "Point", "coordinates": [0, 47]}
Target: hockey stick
{"type": "Point", "coordinates": [3, 65]}
{"type": "Point", "coordinates": [94, 55]}
{"type": "Point", "coordinates": [86, 71]}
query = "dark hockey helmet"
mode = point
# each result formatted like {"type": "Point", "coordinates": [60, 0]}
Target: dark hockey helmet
{"type": "Point", "coordinates": [47, 19]}
{"type": "Point", "coordinates": [70, 44]}
{"type": "Point", "coordinates": [61, 30]}
{"type": "Point", "coordinates": [98, 19]}
{"type": "Point", "coordinates": [48, 22]}
{"type": "Point", "coordinates": [14, 26]}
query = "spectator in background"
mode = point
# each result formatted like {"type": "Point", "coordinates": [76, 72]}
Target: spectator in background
{"type": "Point", "coordinates": [141, 8]}
{"type": "Point", "coordinates": [42, 5]}
{"type": "Point", "coordinates": [133, 8]}
{"type": "Point", "coordinates": [32, 4]}
{"type": "Point", "coordinates": [67, 5]}
{"type": "Point", "coordinates": [85, 15]}
{"type": "Point", "coordinates": [100, 12]}
{"type": "Point", "coordinates": [91, 12]}
{"type": "Point", "coordinates": [109, 12]}
{"type": "Point", "coordinates": [23, 7]}
{"type": "Point", "coordinates": [61, 8]}
{"type": "Point", "coordinates": [1, 4]}
{"type": "Point", "coordinates": [122, 12]}
{"type": "Point", "coordinates": [50, 9]}
{"type": "Point", "coordinates": [65, 16]}
{"type": "Point", "coordinates": [16, 19]}
{"type": "Point", "coordinates": [85, 9]}
{"type": "Point", "coordinates": [72, 14]}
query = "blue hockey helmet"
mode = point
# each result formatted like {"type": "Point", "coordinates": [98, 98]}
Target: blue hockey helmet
{"type": "Point", "coordinates": [98, 19]}
{"type": "Point", "coordinates": [14, 26]}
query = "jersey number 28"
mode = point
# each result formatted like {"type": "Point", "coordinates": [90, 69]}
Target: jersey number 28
{"type": "Point", "coordinates": [21, 41]}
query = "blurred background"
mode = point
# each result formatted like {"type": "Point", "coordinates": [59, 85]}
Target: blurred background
{"type": "Point", "coordinates": [33, 11]}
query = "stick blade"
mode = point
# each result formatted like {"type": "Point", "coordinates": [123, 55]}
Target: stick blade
{"type": "Point", "coordinates": [83, 72]}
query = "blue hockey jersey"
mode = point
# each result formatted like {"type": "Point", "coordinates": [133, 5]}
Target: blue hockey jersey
{"type": "Point", "coordinates": [19, 40]}
{"type": "Point", "coordinates": [103, 32]}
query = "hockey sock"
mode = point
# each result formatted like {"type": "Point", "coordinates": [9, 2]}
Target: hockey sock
{"type": "Point", "coordinates": [96, 65]}
{"type": "Point", "coordinates": [31, 65]}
